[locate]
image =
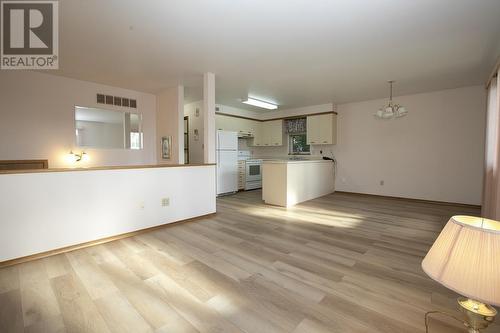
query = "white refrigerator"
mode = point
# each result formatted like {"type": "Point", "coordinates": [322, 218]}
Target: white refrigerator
{"type": "Point", "coordinates": [227, 162]}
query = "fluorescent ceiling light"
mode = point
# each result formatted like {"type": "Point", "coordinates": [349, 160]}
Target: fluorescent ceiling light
{"type": "Point", "coordinates": [260, 104]}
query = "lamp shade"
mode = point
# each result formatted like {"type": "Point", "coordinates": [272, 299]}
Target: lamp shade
{"type": "Point", "coordinates": [466, 258]}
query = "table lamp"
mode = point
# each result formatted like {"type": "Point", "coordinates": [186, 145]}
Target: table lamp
{"type": "Point", "coordinates": [466, 259]}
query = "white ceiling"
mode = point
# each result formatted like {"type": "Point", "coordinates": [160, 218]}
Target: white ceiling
{"type": "Point", "coordinates": [295, 53]}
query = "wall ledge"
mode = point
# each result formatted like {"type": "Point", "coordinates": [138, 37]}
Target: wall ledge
{"type": "Point", "coordinates": [104, 168]}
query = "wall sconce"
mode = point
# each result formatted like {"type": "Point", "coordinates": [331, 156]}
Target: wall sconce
{"type": "Point", "coordinates": [82, 157]}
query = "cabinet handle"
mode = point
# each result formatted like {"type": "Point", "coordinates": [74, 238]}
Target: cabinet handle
{"type": "Point", "coordinates": [324, 141]}
{"type": "Point", "coordinates": [313, 142]}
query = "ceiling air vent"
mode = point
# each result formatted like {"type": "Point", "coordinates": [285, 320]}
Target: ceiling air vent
{"type": "Point", "coordinates": [117, 101]}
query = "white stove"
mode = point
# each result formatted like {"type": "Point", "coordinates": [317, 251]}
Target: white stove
{"type": "Point", "coordinates": [252, 172]}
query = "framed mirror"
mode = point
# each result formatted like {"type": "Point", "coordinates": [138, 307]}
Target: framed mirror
{"type": "Point", "coordinates": [107, 129]}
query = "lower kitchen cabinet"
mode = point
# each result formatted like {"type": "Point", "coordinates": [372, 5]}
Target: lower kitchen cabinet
{"type": "Point", "coordinates": [241, 175]}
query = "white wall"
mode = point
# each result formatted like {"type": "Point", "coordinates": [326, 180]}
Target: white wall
{"type": "Point", "coordinates": [434, 153]}
{"type": "Point", "coordinates": [37, 119]}
{"type": "Point", "coordinates": [45, 211]}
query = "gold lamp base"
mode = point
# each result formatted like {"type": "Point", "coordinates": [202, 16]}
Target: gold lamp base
{"type": "Point", "coordinates": [478, 315]}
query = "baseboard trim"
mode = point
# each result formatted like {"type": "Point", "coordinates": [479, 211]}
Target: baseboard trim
{"type": "Point", "coordinates": [65, 249]}
{"type": "Point", "coordinates": [414, 200]}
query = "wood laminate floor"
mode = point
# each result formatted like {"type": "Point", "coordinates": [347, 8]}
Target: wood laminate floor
{"type": "Point", "coordinates": [340, 263]}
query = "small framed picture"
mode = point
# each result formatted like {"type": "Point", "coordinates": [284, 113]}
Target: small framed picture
{"type": "Point", "coordinates": [166, 147]}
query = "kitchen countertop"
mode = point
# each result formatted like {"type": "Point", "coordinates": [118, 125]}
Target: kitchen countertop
{"type": "Point", "coordinates": [283, 161]}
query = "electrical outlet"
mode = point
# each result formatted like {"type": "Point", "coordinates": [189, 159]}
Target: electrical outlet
{"type": "Point", "coordinates": [165, 202]}
{"type": "Point", "coordinates": [344, 180]}
{"type": "Point", "coordinates": [382, 183]}
{"type": "Point", "coordinates": [141, 205]}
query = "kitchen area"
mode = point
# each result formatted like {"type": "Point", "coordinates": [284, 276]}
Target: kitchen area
{"type": "Point", "coordinates": [286, 154]}
{"type": "Point", "coordinates": [289, 158]}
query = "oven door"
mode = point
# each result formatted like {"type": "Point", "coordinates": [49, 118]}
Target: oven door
{"type": "Point", "coordinates": [253, 171]}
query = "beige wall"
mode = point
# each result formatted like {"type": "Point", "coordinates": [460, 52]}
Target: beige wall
{"type": "Point", "coordinates": [170, 122]}
{"type": "Point", "coordinates": [434, 153]}
{"type": "Point", "coordinates": [37, 119]}
{"type": "Point", "coordinates": [195, 123]}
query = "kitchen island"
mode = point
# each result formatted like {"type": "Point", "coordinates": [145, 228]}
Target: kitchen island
{"type": "Point", "coordinates": [289, 182]}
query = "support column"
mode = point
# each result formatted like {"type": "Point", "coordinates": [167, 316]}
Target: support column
{"type": "Point", "coordinates": [209, 117]}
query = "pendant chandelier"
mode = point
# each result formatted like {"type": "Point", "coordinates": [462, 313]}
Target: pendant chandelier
{"type": "Point", "coordinates": [391, 110]}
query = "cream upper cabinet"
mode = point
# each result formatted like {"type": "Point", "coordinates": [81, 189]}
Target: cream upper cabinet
{"type": "Point", "coordinates": [272, 133]}
{"type": "Point", "coordinates": [258, 139]}
{"type": "Point", "coordinates": [275, 136]}
{"type": "Point", "coordinates": [322, 129]}
{"type": "Point", "coordinates": [265, 134]}
{"type": "Point", "coordinates": [269, 133]}
{"type": "Point", "coordinates": [228, 123]}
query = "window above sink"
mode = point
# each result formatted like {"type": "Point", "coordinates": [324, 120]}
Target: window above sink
{"type": "Point", "coordinates": [297, 144]}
